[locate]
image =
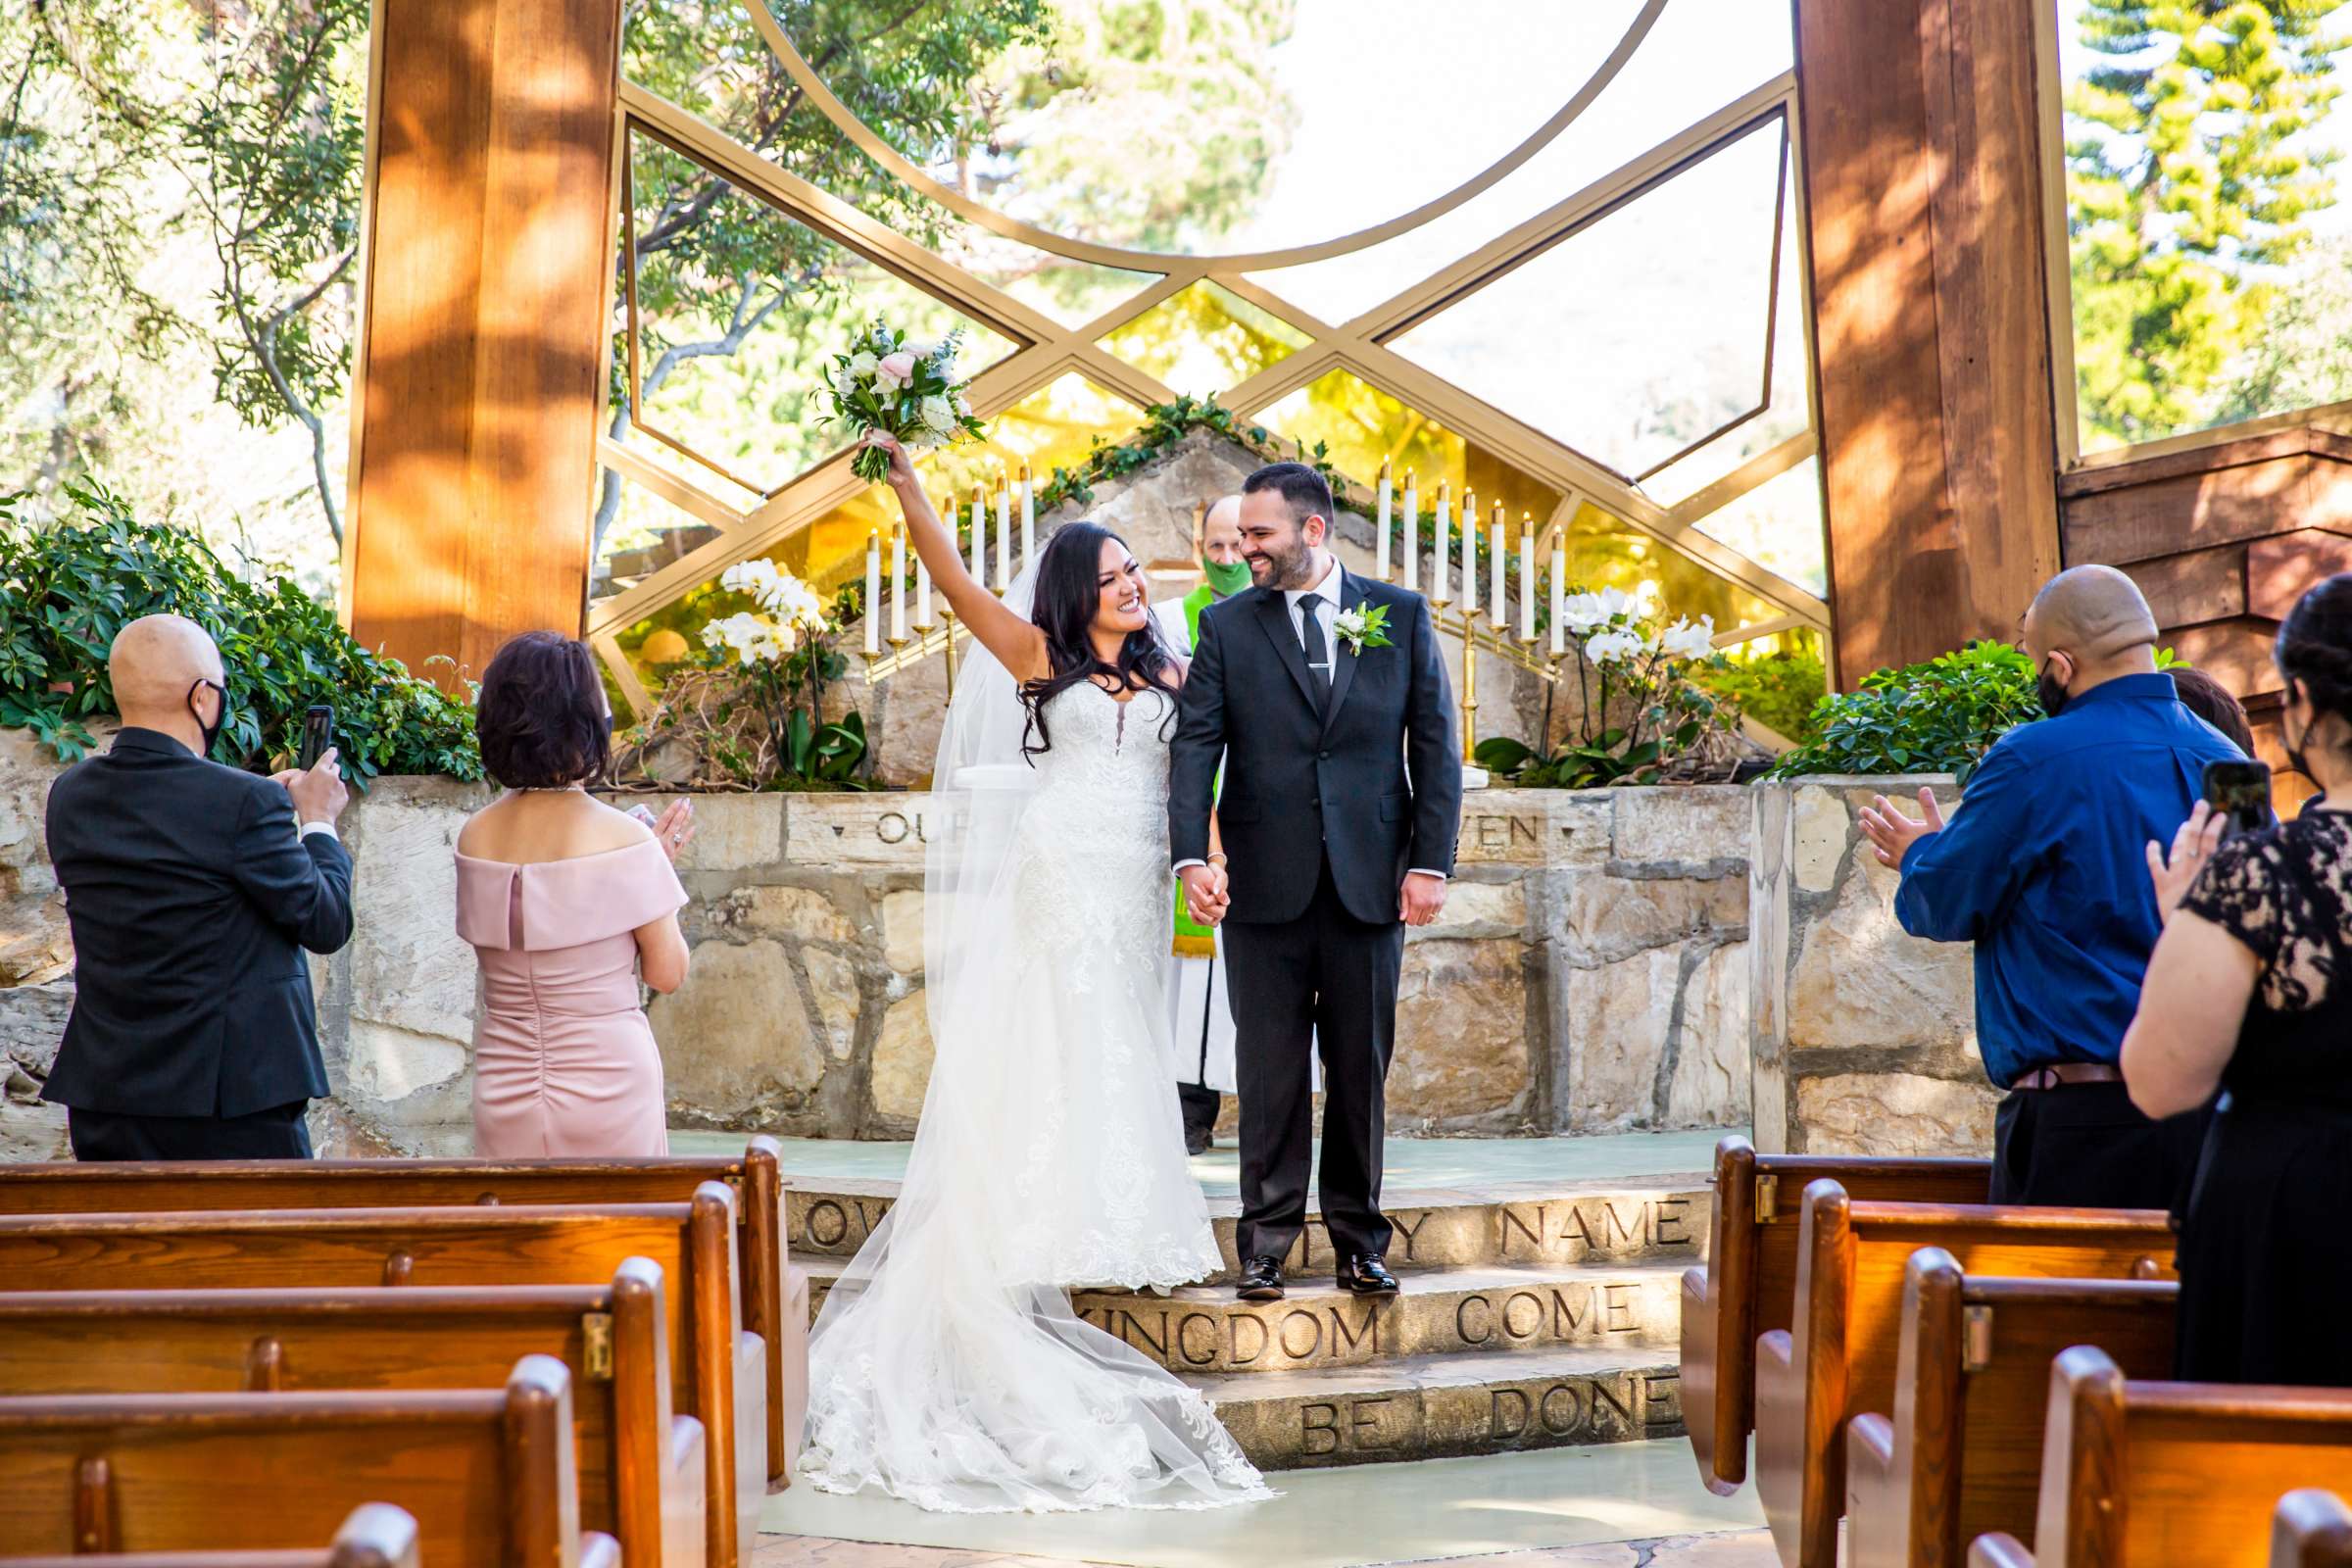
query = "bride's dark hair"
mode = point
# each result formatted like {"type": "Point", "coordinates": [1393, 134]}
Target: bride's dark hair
{"type": "Point", "coordinates": [1068, 596]}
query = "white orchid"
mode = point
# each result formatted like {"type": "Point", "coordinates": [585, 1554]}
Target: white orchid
{"type": "Point", "coordinates": [939, 413]}
{"type": "Point", "coordinates": [1686, 639]}
{"type": "Point", "coordinates": [1613, 646]}
{"type": "Point", "coordinates": [1584, 614]}
{"type": "Point", "coordinates": [793, 603]}
{"type": "Point", "coordinates": [754, 639]}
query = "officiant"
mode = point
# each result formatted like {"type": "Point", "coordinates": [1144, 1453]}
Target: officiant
{"type": "Point", "coordinates": [1200, 1018]}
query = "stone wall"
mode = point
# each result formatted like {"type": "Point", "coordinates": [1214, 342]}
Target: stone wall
{"type": "Point", "coordinates": [1586, 975]}
{"type": "Point", "coordinates": [1864, 1039]}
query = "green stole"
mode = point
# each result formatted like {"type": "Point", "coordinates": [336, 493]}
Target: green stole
{"type": "Point", "coordinates": [1193, 940]}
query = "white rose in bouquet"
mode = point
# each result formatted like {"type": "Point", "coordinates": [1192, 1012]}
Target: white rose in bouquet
{"type": "Point", "coordinates": [939, 413]}
{"type": "Point", "coordinates": [862, 364]}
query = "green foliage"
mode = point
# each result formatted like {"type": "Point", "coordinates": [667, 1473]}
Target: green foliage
{"type": "Point", "coordinates": [1164, 424]}
{"type": "Point", "coordinates": [2189, 172]}
{"type": "Point", "coordinates": [1778, 690]}
{"type": "Point", "coordinates": [66, 591]}
{"type": "Point", "coordinates": [1936, 718]}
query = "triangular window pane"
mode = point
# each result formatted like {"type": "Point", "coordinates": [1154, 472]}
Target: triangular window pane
{"type": "Point", "coordinates": [1204, 339]}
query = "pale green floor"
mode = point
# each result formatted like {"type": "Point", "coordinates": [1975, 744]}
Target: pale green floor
{"type": "Point", "coordinates": [1414, 1164]}
{"type": "Point", "coordinates": [1382, 1513]}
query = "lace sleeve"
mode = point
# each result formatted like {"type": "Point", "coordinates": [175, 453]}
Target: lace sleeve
{"type": "Point", "coordinates": [2239, 891]}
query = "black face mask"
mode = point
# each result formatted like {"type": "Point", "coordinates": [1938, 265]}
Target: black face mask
{"type": "Point", "coordinates": [2051, 691]}
{"type": "Point", "coordinates": [212, 731]}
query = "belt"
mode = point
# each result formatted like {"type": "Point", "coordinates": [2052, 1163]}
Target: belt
{"type": "Point", "coordinates": [2065, 1074]}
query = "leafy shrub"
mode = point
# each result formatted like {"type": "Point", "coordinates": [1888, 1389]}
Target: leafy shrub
{"type": "Point", "coordinates": [66, 591]}
{"type": "Point", "coordinates": [1778, 690]}
{"type": "Point", "coordinates": [1936, 718]}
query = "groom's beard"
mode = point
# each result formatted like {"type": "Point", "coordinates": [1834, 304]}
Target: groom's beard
{"type": "Point", "coordinates": [1294, 570]}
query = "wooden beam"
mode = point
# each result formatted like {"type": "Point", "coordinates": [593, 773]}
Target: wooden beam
{"type": "Point", "coordinates": [480, 375]}
{"type": "Point", "coordinates": [1924, 211]}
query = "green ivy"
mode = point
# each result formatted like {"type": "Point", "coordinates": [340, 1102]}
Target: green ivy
{"type": "Point", "coordinates": [1164, 424]}
{"type": "Point", "coordinates": [65, 590]}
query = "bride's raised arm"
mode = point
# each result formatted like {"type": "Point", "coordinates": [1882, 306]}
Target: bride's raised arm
{"type": "Point", "coordinates": [1016, 642]}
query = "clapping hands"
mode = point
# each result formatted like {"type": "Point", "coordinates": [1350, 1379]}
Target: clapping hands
{"type": "Point", "coordinates": [2193, 846]}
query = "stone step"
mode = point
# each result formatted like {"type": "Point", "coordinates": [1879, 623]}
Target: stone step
{"type": "Point", "coordinates": [1658, 1219]}
{"type": "Point", "coordinates": [1498, 1308]}
{"type": "Point", "coordinates": [1449, 1405]}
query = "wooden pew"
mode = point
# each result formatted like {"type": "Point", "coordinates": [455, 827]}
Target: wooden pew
{"type": "Point", "coordinates": [1836, 1361]}
{"type": "Point", "coordinates": [487, 1473]}
{"type": "Point", "coordinates": [775, 1301]}
{"type": "Point", "coordinates": [1961, 1455]}
{"type": "Point", "coordinates": [640, 1467]}
{"type": "Point", "coordinates": [2312, 1529]}
{"type": "Point", "coordinates": [2170, 1475]}
{"type": "Point", "coordinates": [720, 1369]}
{"type": "Point", "coordinates": [376, 1535]}
{"type": "Point", "coordinates": [1748, 1284]}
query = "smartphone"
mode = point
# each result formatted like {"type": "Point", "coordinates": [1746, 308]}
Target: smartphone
{"type": "Point", "coordinates": [2240, 792]}
{"type": "Point", "coordinates": [644, 814]}
{"type": "Point", "coordinates": [318, 734]}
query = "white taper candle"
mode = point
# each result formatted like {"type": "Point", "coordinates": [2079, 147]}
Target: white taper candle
{"type": "Point", "coordinates": [1527, 576]}
{"type": "Point", "coordinates": [1469, 551]}
{"type": "Point", "coordinates": [1411, 537]}
{"type": "Point", "coordinates": [1559, 598]}
{"type": "Point", "coordinates": [1028, 518]}
{"type": "Point", "coordinates": [1499, 551]}
{"type": "Point", "coordinates": [1439, 592]}
{"type": "Point", "coordinates": [979, 537]}
{"type": "Point", "coordinates": [898, 584]}
{"type": "Point", "coordinates": [873, 590]}
{"type": "Point", "coordinates": [922, 584]}
{"type": "Point", "coordinates": [1381, 550]}
{"type": "Point", "coordinates": [1004, 538]}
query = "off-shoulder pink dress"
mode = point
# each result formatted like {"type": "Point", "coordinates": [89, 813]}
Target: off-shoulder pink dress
{"type": "Point", "coordinates": [563, 1060]}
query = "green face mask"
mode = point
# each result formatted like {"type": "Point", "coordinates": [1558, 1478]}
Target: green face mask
{"type": "Point", "coordinates": [1226, 581]}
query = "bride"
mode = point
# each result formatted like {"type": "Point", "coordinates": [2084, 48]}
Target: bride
{"type": "Point", "coordinates": [947, 1367]}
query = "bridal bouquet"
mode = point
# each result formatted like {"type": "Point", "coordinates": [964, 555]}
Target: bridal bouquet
{"type": "Point", "coordinates": [904, 385]}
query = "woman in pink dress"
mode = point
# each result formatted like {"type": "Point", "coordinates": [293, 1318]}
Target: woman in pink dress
{"type": "Point", "coordinates": [566, 902]}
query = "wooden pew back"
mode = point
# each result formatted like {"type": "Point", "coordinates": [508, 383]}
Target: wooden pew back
{"type": "Point", "coordinates": [1838, 1359]}
{"type": "Point", "coordinates": [640, 1466]}
{"type": "Point", "coordinates": [1961, 1453]}
{"type": "Point", "coordinates": [2312, 1529]}
{"type": "Point", "coordinates": [692, 1244]}
{"type": "Point", "coordinates": [487, 1474]}
{"type": "Point", "coordinates": [376, 1535]}
{"type": "Point", "coordinates": [2156, 1475]}
{"type": "Point", "coordinates": [756, 1176]}
{"type": "Point", "coordinates": [1747, 1286]}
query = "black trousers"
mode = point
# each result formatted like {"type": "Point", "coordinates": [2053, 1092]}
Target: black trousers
{"type": "Point", "coordinates": [278, 1133]}
{"type": "Point", "coordinates": [1325, 978]}
{"type": "Point", "coordinates": [2086, 1145]}
{"type": "Point", "coordinates": [1201, 1105]}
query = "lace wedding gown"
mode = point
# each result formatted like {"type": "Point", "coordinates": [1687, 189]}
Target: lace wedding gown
{"type": "Point", "coordinates": [947, 1367]}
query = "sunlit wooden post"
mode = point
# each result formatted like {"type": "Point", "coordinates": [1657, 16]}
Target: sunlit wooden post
{"type": "Point", "coordinates": [484, 267]}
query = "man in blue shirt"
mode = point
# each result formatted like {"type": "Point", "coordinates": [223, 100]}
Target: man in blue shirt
{"type": "Point", "coordinates": [2046, 872]}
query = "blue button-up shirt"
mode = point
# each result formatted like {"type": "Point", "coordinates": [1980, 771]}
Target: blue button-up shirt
{"type": "Point", "coordinates": [2046, 869]}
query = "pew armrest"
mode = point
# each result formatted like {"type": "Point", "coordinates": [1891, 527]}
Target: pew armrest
{"type": "Point", "coordinates": [1722, 1463]}
{"type": "Point", "coordinates": [685, 1533]}
{"type": "Point", "coordinates": [1780, 1438]}
{"type": "Point", "coordinates": [750, 1437]}
{"type": "Point", "coordinates": [599, 1551]}
{"type": "Point", "coordinates": [1874, 1494]}
{"type": "Point", "coordinates": [791, 1353]}
{"type": "Point", "coordinates": [1999, 1551]}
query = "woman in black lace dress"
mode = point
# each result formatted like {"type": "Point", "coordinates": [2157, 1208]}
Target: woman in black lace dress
{"type": "Point", "coordinates": [2251, 989]}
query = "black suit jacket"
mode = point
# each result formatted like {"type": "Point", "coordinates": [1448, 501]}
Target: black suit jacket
{"type": "Point", "coordinates": [1376, 777]}
{"type": "Point", "coordinates": [191, 900]}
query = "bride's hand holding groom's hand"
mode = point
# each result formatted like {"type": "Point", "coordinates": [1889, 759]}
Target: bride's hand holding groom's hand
{"type": "Point", "coordinates": [1205, 893]}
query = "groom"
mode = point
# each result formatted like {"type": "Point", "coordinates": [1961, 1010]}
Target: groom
{"type": "Point", "coordinates": [1342, 793]}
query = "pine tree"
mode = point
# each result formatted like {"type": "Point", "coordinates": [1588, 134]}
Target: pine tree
{"type": "Point", "coordinates": [2187, 187]}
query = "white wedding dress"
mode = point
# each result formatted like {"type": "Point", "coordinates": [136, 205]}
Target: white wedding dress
{"type": "Point", "coordinates": [948, 1367]}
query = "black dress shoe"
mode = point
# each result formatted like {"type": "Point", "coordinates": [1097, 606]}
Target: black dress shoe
{"type": "Point", "coordinates": [1363, 1274]}
{"type": "Point", "coordinates": [1261, 1280]}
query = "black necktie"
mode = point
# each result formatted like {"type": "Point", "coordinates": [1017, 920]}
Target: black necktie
{"type": "Point", "coordinates": [1318, 654]}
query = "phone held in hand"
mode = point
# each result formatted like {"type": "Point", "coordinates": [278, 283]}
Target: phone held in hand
{"type": "Point", "coordinates": [2240, 793]}
{"type": "Point", "coordinates": [644, 814]}
{"type": "Point", "coordinates": [318, 734]}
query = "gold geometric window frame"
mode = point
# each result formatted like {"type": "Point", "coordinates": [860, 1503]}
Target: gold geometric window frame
{"type": "Point", "coordinates": [1045, 349]}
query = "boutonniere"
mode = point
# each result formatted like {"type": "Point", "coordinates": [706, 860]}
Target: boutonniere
{"type": "Point", "coordinates": [1364, 626]}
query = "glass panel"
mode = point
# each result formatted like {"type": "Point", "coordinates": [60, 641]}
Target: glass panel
{"type": "Point", "coordinates": [741, 308]}
{"type": "Point", "coordinates": [1204, 340]}
{"type": "Point", "coordinates": [1790, 410]}
{"type": "Point", "coordinates": [1639, 333]}
{"type": "Point", "coordinates": [2211, 251]}
{"type": "Point", "coordinates": [1361, 425]}
{"type": "Point", "coordinates": [1778, 525]}
{"type": "Point", "coordinates": [1701, 55]}
{"type": "Point", "coordinates": [637, 532]}
{"type": "Point", "coordinates": [1072, 293]}
{"type": "Point", "coordinates": [1606, 552]}
{"type": "Point", "coordinates": [1214, 128]}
